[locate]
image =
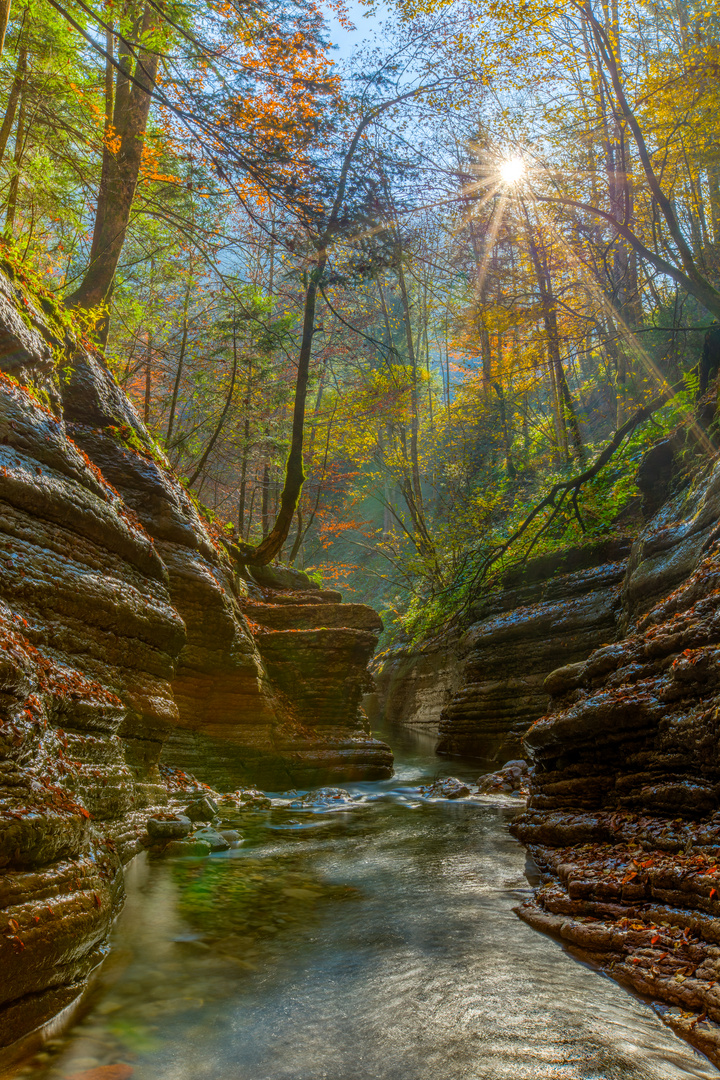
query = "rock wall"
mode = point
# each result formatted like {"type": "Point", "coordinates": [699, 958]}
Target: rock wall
{"type": "Point", "coordinates": [315, 651]}
{"type": "Point", "coordinates": [481, 692]}
{"type": "Point", "coordinates": [123, 631]}
{"type": "Point", "coordinates": [624, 813]}
{"type": "Point", "coordinates": [413, 686]}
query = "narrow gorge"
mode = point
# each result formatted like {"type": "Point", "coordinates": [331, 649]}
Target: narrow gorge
{"type": "Point", "coordinates": [623, 813]}
{"type": "Point", "coordinates": [129, 639]}
{"type": "Point", "coordinates": [359, 540]}
{"type": "Point", "coordinates": [139, 660]}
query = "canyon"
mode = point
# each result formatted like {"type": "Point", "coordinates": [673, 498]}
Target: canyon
{"type": "Point", "coordinates": [600, 666]}
{"type": "Point", "coordinates": [133, 645]}
{"type": "Point", "coordinates": [130, 640]}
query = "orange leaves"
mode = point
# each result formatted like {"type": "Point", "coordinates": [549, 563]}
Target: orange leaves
{"type": "Point", "coordinates": [111, 139]}
{"type": "Point", "coordinates": [120, 1071]}
{"type": "Point", "coordinates": [150, 163]}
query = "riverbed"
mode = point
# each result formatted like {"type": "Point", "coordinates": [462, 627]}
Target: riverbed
{"type": "Point", "coordinates": [366, 938]}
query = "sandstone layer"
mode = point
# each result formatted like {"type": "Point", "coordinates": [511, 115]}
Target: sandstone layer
{"type": "Point", "coordinates": [413, 686]}
{"type": "Point", "coordinates": [624, 812]}
{"type": "Point", "coordinates": [123, 634]}
{"type": "Point", "coordinates": [480, 693]}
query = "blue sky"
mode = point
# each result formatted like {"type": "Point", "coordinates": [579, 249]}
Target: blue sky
{"type": "Point", "coordinates": [365, 27]}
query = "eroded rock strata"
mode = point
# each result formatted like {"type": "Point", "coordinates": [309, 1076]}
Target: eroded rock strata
{"type": "Point", "coordinates": [413, 686]}
{"type": "Point", "coordinates": [121, 625]}
{"type": "Point", "coordinates": [624, 813]}
{"type": "Point", "coordinates": [480, 693]}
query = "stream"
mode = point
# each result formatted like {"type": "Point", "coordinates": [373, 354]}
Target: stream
{"type": "Point", "coordinates": [370, 939]}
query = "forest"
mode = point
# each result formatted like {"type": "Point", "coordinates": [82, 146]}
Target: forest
{"type": "Point", "coordinates": [399, 316]}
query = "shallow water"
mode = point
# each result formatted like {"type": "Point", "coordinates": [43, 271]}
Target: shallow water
{"type": "Point", "coordinates": [374, 940]}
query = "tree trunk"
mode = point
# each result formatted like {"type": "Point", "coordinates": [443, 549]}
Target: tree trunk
{"type": "Point", "coordinates": [121, 165]}
{"type": "Point", "coordinates": [148, 380]}
{"type": "Point", "coordinates": [298, 536]}
{"type": "Point", "coordinates": [294, 474]}
{"type": "Point", "coordinates": [414, 404]}
{"type": "Point", "coordinates": [17, 163]}
{"type": "Point", "coordinates": [181, 364]}
{"type": "Point", "coordinates": [243, 477]}
{"type": "Point", "coordinates": [5, 6]}
{"type": "Point", "coordinates": [265, 514]}
{"type": "Point", "coordinates": [271, 544]}
{"type": "Point", "coordinates": [15, 92]}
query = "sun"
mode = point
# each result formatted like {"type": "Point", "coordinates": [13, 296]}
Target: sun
{"type": "Point", "coordinates": [512, 170]}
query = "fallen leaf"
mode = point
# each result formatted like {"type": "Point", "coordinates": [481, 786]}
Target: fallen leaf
{"type": "Point", "coordinates": [105, 1072]}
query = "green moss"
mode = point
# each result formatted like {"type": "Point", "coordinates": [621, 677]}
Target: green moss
{"type": "Point", "coordinates": [127, 435]}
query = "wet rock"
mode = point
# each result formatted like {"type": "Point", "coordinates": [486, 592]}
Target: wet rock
{"type": "Point", "coordinates": [512, 778]}
{"type": "Point", "coordinates": [215, 839]}
{"type": "Point", "coordinates": [448, 788]}
{"type": "Point", "coordinates": [413, 685]}
{"type": "Point", "coordinates": [252, 799]}
{"type": "Point", "coordinates": [557, 607]}
{"type": "Point", "coordinates": [203, 809]}
{"type": "Point", "coordinates": [324, 797]}
{"type": "Point", "coordinates": [622, 818]}
{"type": "Point", "coordinates": [168, 828]}
{"type": "Point", "coordinates": [121, 639]}
{"type": "Point", "coordinates": [231, 835]}
{"type": "Point", "coordinates": [481, 692]}
{"type": "Point", "coordinates": [189, 846]}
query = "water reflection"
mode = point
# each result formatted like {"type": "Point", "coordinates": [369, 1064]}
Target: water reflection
{"type": "Point", "coordinates": [353, 941]}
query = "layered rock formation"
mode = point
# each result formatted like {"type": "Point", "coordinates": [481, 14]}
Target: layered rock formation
{"type": "Point", "coordinates": [556, 609]}
{"type": "Point", "coordinates": [480, 693]}
{"type": "Point", "coordinates": [413, 686]}
{"type": "Point", "coordinates": [315, 651]}
{"type": "Point", "coordinates": [624, 813]}
{"type": "Point", "coordinates": [121, 623]}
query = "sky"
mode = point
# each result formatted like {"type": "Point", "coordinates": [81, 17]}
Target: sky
{"type": "Point", "coordinates": [366, 26]}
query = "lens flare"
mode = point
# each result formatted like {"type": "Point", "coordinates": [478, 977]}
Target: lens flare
{"type": "Point", "coordinates": [512, 170]}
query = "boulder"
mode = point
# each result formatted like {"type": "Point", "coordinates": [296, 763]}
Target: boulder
{"type": "Point", "coordinates": [203, 809]}
{"type": "Point", "coordinates": [512, 778]}
{"type": "Point", "coordinates": [189, 846]}
{"type": "Point", "coordinates": [215, 839]}
{"type": "Point", "coordinates": [168, 828]}
{"type": "Point", "coordinates": [282, 577]}
{"type": "Point", "coordinates": [448, 788]}
{"type": "Point", "coordinates": [325, 797]}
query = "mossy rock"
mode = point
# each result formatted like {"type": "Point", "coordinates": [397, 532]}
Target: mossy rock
{"type": "Point", "coordinates": [282, 577]}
